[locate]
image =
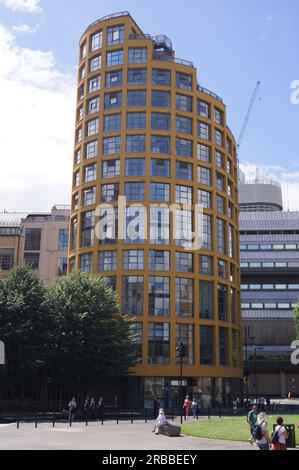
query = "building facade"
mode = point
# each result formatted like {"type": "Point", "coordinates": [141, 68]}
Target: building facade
{"type": "Point", "coordinates": [269, 247]}
{"type": "Point", "coordinates": [146, 131]}
{"type": "Point", "coordinates": [40, 239]}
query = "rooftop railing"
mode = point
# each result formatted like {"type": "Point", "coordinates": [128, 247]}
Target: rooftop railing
{"type": "Point", "coordinates": [169, 58]}
{"type": "Point", "coordinates": [108, 17]}
{"type": "Point", "coordinates": [263, 181]}
{"type": "Point", "coordinates": [209, 92]}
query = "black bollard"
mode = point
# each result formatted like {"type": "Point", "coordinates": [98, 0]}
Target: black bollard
{"type": "Point", "coordinates": [117, 416]}
{"type": "Point", "coordinates": [132, 417]}
{"type": "Point", "coordinates": [172, 414]}
{"type": "Point", "coordinates": [36, 420]}
{"type": "Point", "coordinates": [145, 413]}
{"type": "Point", "coordinates": [209, 412]}
{"type": "Point", "coordinates": [220, 412]}
{"type": "Point", "coordinates": [70, 420]}
{"type": "Point", "coordinates": [18, 419]}
{"type": "Point", "coordinates": [197, 413]}
{"type": "Point", "coordinates": [53, 418]}
{"type": "Point", "coordinates": [86, 420]}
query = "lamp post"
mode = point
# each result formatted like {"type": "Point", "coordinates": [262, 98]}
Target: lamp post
{"type": "Point", "coordinates": [255, 369]}
{"type": "Point", "coordinates": [179, 355]}
{"type": "Point", "coordinates": [247, 337]}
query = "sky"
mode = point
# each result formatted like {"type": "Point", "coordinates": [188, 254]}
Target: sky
{"type": "Point", "coordinates": [232, 43]}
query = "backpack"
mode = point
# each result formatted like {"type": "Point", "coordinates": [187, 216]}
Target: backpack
{"type": "Point", "coordinates": [275, 436]}
{"type": "Point", "coordinates": [257, 433]}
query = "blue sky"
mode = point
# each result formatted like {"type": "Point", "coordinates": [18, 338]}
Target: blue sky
{"type": "Point", "coordinates": [233, 43]}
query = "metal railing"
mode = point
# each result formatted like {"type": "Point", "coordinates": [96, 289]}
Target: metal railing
{"type": "Point", "coordinates": [107, 17]}
{"type": "Point", "coordinates": [263, 181]}
{"type": "Point", "coordinates": [169, 58]}
{"type": "Point", "coordinates": [209, 92]}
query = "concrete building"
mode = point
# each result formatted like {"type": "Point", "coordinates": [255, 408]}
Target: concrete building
{"type": "Point", "coordinates": [38, 238]}
{"type": "Point", "coordinates": [269, 247]}
{"type": "Point", "coordinates": [146, 130]}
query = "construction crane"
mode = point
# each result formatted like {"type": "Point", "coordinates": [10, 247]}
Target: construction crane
{"type": "Point", "coordinates": [252, 101]}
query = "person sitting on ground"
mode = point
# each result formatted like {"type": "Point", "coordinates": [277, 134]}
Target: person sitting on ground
{"type": "Point", "coordinates": [161, 421]}
{"type": "Point", "coordinates": [282, 435]}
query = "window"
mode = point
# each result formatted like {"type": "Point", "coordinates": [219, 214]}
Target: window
{"type": "Point", "coordinates": [108, 226]}
{"type": "Point", "coordinates": [133, 260]}
{"type": "Point", "coordinates": [159, 225]}
{"type": "Point", "coordinates": [183, 194]}
{"type": "Point", "coordinates": [158, 296]}
{"type": "Point", "coordinates": [135, 191]}
{"type": "Point", "coordinates": [93, 105]}
{"type": "Point", "coordinates": [91, 149]}
{"type": "Point", "coordinates": [132, 295]}
{"type": "Point", "coordinates": [161, 99]}
{"type": "Point", "coordinates": [206, 304]}
{"type": "Point", "coordinates": [219, 159]}
{"type": "Point", "coordinates": [183, 125]}
{"type": "Point", "coordinates": [80, 114]}
{"type": "Point", "coordinates": [86, 263]}
{"type": "Point", "coordinates": [159, 260]}
{"type": "Point", "coordinates": [112, 122]}
{"type": "Point", "coordinates": [115, 58]}
{"type": "Point", "coordinates": [235, 355]}
{"type": "Point", "coordinates": [186, 334]}
{"type": "Point", "coordinates": [111, 145]}
{"type": "Point", "coordinates": [89, 196]}
{"type": "Point", "coordinates": [94, 84]}
{"type": "Point", "coordinates": [76, 179]}
{"type": "Point", "coordinates": [74, 231]}
{"type": "Point", "coordinates": [184, 147]}
{"type": "Point", "coordinates": [62, 267]}
{"type": "Point", "coordinates": [83, 51]}
{"type": "Point", "coordinates": [222, 269]}
{"type": "Point", "coordinates": [160, 121]}
{"type": "Point", "coordinates": [32, 239]}
{"type": "Point", "coordinates": [107, 261]}
{"type": "Point", "coordinates": [76, 202]}
{"type": "Point", "coordinates": [223, 346]}
{"type": "Point", "coordinates": [6, 259]}
{"type": "Point", "coordinates": [136, 121]}
{"type": "Point", "coordinates": [160, 192]}
{"type": "Point", "coordinates": [183, 81]}
{"type": "Point", "coordinates": [206, 265]}
{"type": "Point", "coordinates": [160, 168]}
{"type": "Point", "coordinates": [218, 116]}
{"type": "Point", "coordinates": [32, 259]}
{"type": "Point", "coordinates": [183, 103]}
{"type": "Point", "coordinates": [113, 100]}
{"type": "Point", "coordinates": [203, 109]}
{"type": "Point", "coordinates": [161, 77]}
{"type": "Point", "coordinates": [184, 171]}
{"type": "Point", "coordinates": [96, 41]}
{"type": "Point", "coordinates": [79, 135]}
{"type": "Point", "coordinates": [221, 236]}
{"type": "Point", "coordinates": [81, 92]}
{"type": "Point", "coordinates": [137, 55]}
{"type": "Point", "coordinates": [220, 182]}
{"type": "Point", "coordinates": [220, 201]}
{"type": "Point", "coordinates": [203, 153]}
{"type": "Point", "coordinates": [233, 304]}
{"type": "Point", "coordinates": [218, 138]}
{"type": "Point", "coordinates": [93, 127]}
{"type": "Point", "coordinates": [135, 143]}
{"type": "Point", "coordinates": [160, 144]}
{"type": "Point", "coordinates": [205, 199]}
{"type": "Point", "coordinates": [207, 357]}
{"type": "Point", "coordinates": [77, 157]}
{"type": "Point", "coordinates": [135, 223]}
{"type": "Point", "coordinates": [137, 332]}
{"type": "Point", "coordinates": [204, 176]}
{"type": "Point", "coordinates": [114, 78]}
{"type": "Point", "coordinates": [87, 228]}
{"type": "Point", "coordinates": [184, 297]}
{"type": "Point", "coordinates": [82, 73]}
{"type": "Point", "coordinates": [137, 77]}
{"type": "Point", "coordinates": [222, 302]}
{"type": "Point", "coordinates": [115, 35]}
{"type": "Point", "coordinates": [229, 146]}
{"type": "Point", "coordinates": [135, 167]}
{"type": "Point", "coordinates": [158, 343]}
{"type": "Point", "coordinates": [183, 227]}
{"type": "Point", "coordinates": [110, 192]}
{"type": "Point", "coordinates": [203, 130]}
{"type": "Point", "coordinates": [230, 240]}
{"type": "Point", "coordinates": [95, 63]}
{"type": "Point", "coordinates": [207, 242]}
{"type": "Point", "coordinates": [136, 98]}
{"type": "Point", "coordinates": [111, 168]}
{"type": "Point", "coordinates": [183, 262]}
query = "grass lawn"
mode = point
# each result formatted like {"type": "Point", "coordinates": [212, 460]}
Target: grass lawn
{"type": "Point", "coordinates": [231, 429]}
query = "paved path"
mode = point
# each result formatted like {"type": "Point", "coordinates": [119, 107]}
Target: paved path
{"type": "Point", "coordinates": [110, 436]}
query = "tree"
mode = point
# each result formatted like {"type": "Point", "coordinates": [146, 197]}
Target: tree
{"type": "Point", "coordinates": [89, 339]}
{"type": "Point", "coordinates": [23, 320]}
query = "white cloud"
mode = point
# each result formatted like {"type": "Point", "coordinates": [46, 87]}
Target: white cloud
{"type": "Point", "coordinates": [25, 29]}
{"type": "Point", "coordinates": [36, 128]}
{"type": "Point", "coordinates": [30, 6]}
{"type": "Point", "coordinates": [289, 181]}
{"type": "Point", "coordinates": [268, 17]}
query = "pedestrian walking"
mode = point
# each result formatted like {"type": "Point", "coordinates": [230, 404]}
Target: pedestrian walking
{"type": "Point", "coordinates": [280, 436]}
{"type": "Point", "coordinates": [86, 407]}
{"type": "Point", "coordinates": [251, 420]}
{"type": "Point", "coordinates": [101, 408]}
{"type": "Point", "coordinates": [72, 409]}
{"type": "Point", "coordinates": [261, 433]}
{"type": "Point", "coordinates": [156, 407]}
{"type": "Point", "coordinates": [187, 405]}
{"type": "Point", "coordinates": [92, 409]}
{"type": "Point", "coordinates": [194, 407]}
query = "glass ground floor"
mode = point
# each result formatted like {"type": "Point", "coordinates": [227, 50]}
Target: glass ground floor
{"type": "Point", "coordinates": [208, 391]}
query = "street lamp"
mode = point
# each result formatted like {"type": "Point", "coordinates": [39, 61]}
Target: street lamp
{"type": "Point", "coordinates": [255, 369]}
{"type": "Point", "coordinates": [179, 355]}
{"type": "Point", "coordinates": [247, 337]}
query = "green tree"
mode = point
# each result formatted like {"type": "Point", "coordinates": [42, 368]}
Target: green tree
{"type": "Point", "coordinates": [89, 339]}
{"type": "Point", "coordinates": [23, 325]}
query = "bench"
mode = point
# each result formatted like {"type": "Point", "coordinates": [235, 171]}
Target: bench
{"type": "Point", "coordinates": [170, 430]}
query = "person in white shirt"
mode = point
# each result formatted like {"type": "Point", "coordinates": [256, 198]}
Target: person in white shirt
{"type": "Point", "coordinates": [161, 421]}
{"type": "Point", "coordinates": [72, 408]}
{"type": "Point", "coordinates": [264, 440]}
{"type": "Point", "coordinates": [282, 435]}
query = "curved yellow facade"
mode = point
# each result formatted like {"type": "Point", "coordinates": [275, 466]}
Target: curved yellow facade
{"type": "Point", "coordinates": [147, 130]}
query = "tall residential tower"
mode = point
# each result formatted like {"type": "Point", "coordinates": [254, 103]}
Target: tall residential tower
{"type": "Point", "coordinates": [146, 130]}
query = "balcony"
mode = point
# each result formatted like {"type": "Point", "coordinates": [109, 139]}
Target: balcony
{"type": "Point", "coordinates": [108, 17]}
{"type": "Point", "coordinates": [208, 92]}
{"type": "Point", "coordinates": [158, 55]}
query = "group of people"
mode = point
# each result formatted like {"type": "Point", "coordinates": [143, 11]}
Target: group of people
{"type": "Point", "coordinates": [260, 433]}
{"type": "Point", "coordinates": [262, 402]}
{"type": "Point", "coordinates": [92, 409]}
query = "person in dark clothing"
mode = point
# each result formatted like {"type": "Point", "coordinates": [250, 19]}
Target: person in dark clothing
{"type": "Point", "coordinates": [86, 407]}
{"type": "Point", "coordinates": [156, 407]}
{"type": "Point", "coordinates": [100, 408]}
{"type": "Point", "coordinates": [92, 409]}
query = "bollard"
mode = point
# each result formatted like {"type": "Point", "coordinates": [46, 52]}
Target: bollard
{"type": "Point", "coordinates": [197, 413]}
{"type": "Point", "coordinates": [145, 413]}
{"type": "Point", "coordinates": [209, 412]}
{"type": "Point", "coordinates": [117, 416]}
{"type": "Point", "coordinates": [185, 415]}
{"type": "Point", "coordinates": [86, 420]}
{"type": "Point", "coordinates": [70, 420]}
{"type": "Point", "coordinates": [35, 420]}
{"type": "Point", "coordinates": [53, 418]}
{"type": "Point", "coordinates": [172, 414]}
{"type": "Point", "coordinates": [18, 420]}
{"type": "Point", "coordinates": [220, 412]}
{"type": "Point", "coordinates": [132, 417]}
{"type": "Point", "coordinates": [102, 421]}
